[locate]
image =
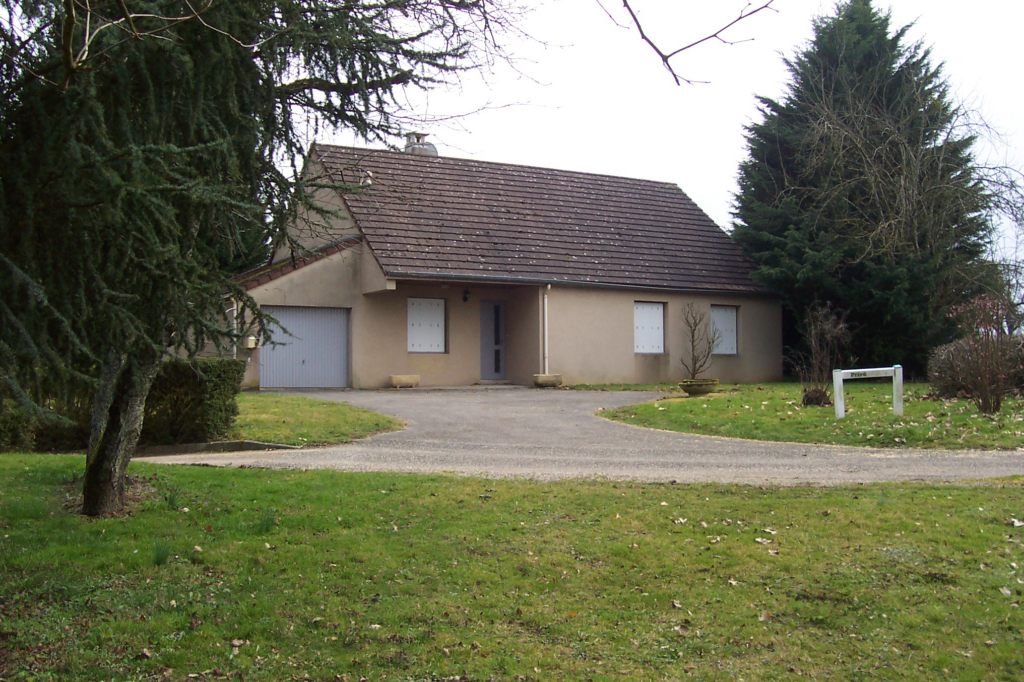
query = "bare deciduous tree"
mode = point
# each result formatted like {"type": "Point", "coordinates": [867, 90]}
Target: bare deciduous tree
{"type": "Point", "coordinates": [913, 203]}
{"type": "Point", "coordinates": [827, 336]}
{"type": "Point", "coordinates": [701, 337]}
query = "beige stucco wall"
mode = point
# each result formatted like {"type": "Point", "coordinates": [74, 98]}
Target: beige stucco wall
{"type": "Point", "coordinates": [380, 341]}
{"type": "Point", "coordinates": [590, 329]}
{"type": "Point", "coordinates": [591, 337]}
{"type": "Point", "coordinates": [312, 230]}
{"type": "Point", "coordinates": [590, 334]}
{"type": "Point", "coordinates": [378, 317]}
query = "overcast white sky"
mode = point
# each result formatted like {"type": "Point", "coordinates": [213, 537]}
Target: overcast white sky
{"type": "Point", "coordinates": [596, 99]}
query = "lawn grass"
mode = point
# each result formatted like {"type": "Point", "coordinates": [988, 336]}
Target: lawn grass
{"type": "Point", "coordinates": [293, 420]}
{"type": "Point", "coordinates": [773, 412]}
{"type": "Point", "coordinates": [652, 388]}
{"type": "Point", "coordinates": [289, 575]}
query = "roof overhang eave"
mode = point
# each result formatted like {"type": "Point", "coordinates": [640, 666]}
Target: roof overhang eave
{"type": "Point", "coordinates": [469, 278]}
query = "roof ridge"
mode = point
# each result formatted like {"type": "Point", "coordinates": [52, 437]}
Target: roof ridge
{"type": "Point", "coordinates": [498, 164]}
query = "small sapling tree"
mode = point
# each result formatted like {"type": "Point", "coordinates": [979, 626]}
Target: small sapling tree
{"type": "Point", "coordinates": [827, 336]}
{"type": "Point", "coordinates": [702, 336]}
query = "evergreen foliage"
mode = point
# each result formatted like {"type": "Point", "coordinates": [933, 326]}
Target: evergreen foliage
{"type": "Point", "coordinates": [861, 191]}
{"type": "Point", "coordinates": [150, 148]}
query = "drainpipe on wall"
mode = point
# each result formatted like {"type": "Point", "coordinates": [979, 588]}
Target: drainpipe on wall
{"type": "Point", "coordinates": [234, 327]}
{"type": "Point", "coordinates": [546, 329]}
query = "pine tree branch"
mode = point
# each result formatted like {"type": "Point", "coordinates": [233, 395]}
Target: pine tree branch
{"type": "Point", "coordinates": [344, 89]}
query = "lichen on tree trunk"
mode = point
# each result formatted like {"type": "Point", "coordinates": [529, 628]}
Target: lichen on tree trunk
{"type": "Point", "coordinates": [118, 411]}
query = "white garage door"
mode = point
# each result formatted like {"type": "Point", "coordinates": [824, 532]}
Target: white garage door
{"type": "Point", "coordinates": [314, 356]}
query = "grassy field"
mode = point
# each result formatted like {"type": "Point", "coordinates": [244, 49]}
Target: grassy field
{"type": "Point", "coordinates": [291, 420]}
{"type": "Point", "coordinates": [773, 412]}
{"type": "Point", "coordinates": [274, 575]}
{"type": "Point", "coordinates": [654, 388]}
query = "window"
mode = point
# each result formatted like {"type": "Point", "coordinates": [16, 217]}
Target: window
{"type": "Point", "coordinates": [723, 317]}
{"type": "Point", "coordinates": [426, 325]}
{"type": "Point", "coordinates": [648, 327]}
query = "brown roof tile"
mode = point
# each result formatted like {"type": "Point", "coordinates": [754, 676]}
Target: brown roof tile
{"type": "Point", "coordinates": [447, 218]}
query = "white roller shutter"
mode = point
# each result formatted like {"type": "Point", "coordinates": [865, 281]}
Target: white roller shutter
{"type": "Point", "coordinates": [723, 317]}
{"type": "Point", "coordinates": [314, 356]}
{"type": "Point", "coordinates": [426, 325]}
{"type": "Point", "coordinates": [648, 327]}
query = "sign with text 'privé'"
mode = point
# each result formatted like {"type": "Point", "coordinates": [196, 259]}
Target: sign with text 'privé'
{"type": "Point", "coordinates": [840, 375]}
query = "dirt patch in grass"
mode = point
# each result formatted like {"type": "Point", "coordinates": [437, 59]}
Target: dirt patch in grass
{"type": "Point", "coordinates": [138, 490]}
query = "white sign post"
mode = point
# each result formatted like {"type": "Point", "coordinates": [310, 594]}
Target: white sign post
{"type": "Point", "coordinates": [896, 372]}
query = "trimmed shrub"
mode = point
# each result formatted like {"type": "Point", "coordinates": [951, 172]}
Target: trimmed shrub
{"type": "Point", "coordinates": [950, 367]}
{"type": "Point", "coordinates": [816, 397]}
{"type": "Point", "coordinates": [17, 431]}
{"type": "Point", "coordinates": [945, 365]}
{"type": "Point", "coordinates": [192, 401]}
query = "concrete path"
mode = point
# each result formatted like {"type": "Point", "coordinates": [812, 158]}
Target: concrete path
{"type": "Point", "coordinates": [511, 431]}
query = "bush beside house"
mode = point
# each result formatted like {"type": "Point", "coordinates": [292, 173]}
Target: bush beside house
{"type": "Point", "coordinates": [947, 362]}
{"type": "Point", "coordinates": [190, 401]}
{"type": "Point", "coordinates": [988, 362]}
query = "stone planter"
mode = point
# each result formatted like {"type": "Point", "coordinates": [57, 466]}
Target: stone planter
{"type": "Point", "coordinates": [404, 380]}
{"type": "Point", "coordinates": [698, 386]}
{"type": "Point", "coordinates": [547, 380]}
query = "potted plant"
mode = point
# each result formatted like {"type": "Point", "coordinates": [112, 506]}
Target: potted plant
{"type": "Point", "coordinates": [702, 337]}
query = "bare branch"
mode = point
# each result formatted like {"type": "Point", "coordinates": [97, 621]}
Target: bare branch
{"type": "Point", "coordinates": [747, 12]}
{"type": "Point", "coordinates": [610, 15]}
{"type": "Point", "coordinates": [344, 89]}
{"type": "Point", "coordinates": [128, 17]}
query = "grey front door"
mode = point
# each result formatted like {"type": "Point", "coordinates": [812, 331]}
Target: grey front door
{"type": "Point", "coordinates": [492, 339]}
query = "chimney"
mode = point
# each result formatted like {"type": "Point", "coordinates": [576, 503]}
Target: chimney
{"type": "Point", "coordinates": [416, 143]}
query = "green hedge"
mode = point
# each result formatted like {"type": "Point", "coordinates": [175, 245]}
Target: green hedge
{"type": "Point", "coordinates": [16, 432]}
{"type": "Point", "coordinates": [191, 401]}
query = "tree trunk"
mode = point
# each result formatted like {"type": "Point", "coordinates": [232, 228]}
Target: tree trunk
{"type": "Point", "coordinates": [118, 410]}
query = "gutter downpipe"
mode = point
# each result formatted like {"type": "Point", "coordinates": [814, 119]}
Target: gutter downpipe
{"type": "Point", "coordinates": [546, 328]}
{"type": "Point", "coordinates": [234, 327]}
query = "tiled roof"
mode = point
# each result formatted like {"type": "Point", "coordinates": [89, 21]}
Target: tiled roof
{"type": "Point", "coordinates": [268, 273]}
{"type": "Point", "coordinates": [440, 217]}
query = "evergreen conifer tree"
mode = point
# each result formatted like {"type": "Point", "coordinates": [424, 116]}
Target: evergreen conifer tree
{"type": "Point", "coordinates": [150, 148]}
{"type": "Point", "coordinates": [861, 190]}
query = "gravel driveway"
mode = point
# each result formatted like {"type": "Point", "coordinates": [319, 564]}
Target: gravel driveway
{"type": "Point", "coordinates": [513, 431]}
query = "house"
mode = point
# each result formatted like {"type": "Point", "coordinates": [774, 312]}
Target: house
{"type": "Point", "coordinates": [463, 271]}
